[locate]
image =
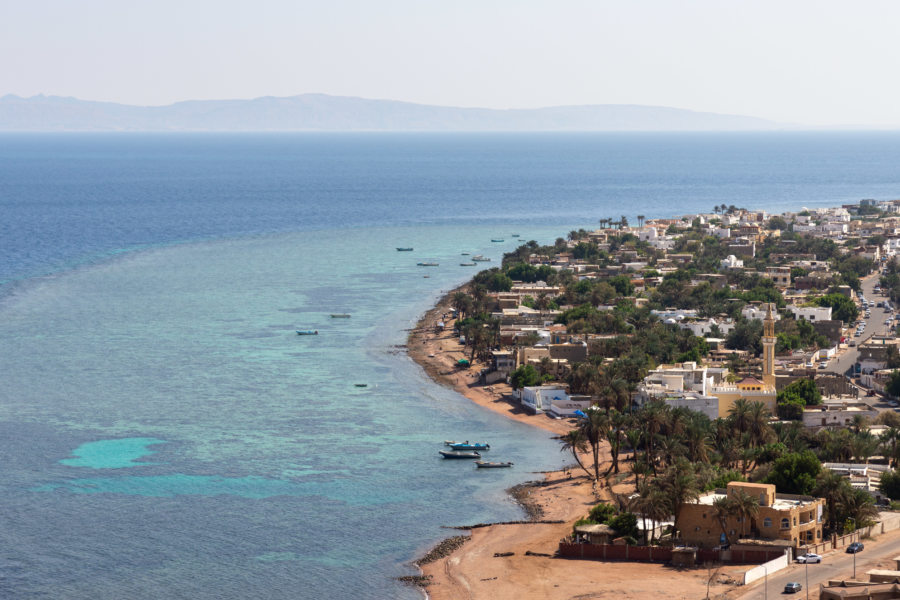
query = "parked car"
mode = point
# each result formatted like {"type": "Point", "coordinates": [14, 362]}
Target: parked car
{"type": "Point", "coordinates": [792, 588]}
{"type": "Point", "coordinates": [809, 557]}
{"type": "Point", "coordinates": [855, 547]}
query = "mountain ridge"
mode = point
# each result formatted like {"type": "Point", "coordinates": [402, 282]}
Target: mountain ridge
{"type": "Point", "coordinates": [324, 112]}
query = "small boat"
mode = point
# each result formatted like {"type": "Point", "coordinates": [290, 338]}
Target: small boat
{"type": "Point", "coordinates": [361, 384]}
{"type": "Point", "coordinates": [307, 332]}
{"type": "Point", "coordinates": [515, 235]}
{"type": "Point", "coordinates": [497, 240]}
{"type": "Point", "coordinates": [340, 315]}
{"type": "Point", "coordinates": [468, 264]}
{"type": "Point", "coordinates": [481, 258]}
{"type": "Point", "coordinates": [404, 249]}
{"type": "Point", "coordinates": [427, 264]}
{"type": "Point", "coordinates": [483, 464]}
{"type": "Point", "coordinates": [451, 442]}
{"type": "Point", "coordinates": [456, 454]}
{"type": "Point", "coordinates": [472, 446]}
{"type": "Point", "coordinates": [465, 254]}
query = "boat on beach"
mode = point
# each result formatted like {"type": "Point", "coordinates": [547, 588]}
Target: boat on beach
{"type": "Point", "coordinates": [404, 249]}
{"type": "Point", "coordinates": [340, 315]}
{"type": "Point", "coordinates": [483, 464]}
{"type": "Point", "coordinates": [458, 454]}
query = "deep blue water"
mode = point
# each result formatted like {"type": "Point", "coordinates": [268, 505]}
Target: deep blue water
{"type": "Point", "coordinates": [164, 432]}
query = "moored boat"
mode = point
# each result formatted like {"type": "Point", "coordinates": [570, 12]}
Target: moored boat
{"type": "Point", "coordinates": [481, 258]}
{"type": "Point", "coordinates": [468, 264]}
{"type": "Point", "coordinates": [515, 235]}
{"type": "Point", "coordinates": [468, 446]}
{"type": "Point", "coordinates": [340, 315]}
{"type": "Point", "coordinates": [361, 384]}
{"type": "Point", "coordinates": [458, 454]}
{"type": "Point", "coordinates": [427, 264]}
{"type": "Point", "coordinates": [497, 239]}
{"type": "Point", "coordinates": [307, 332]}
{"type": "Point", "coordinates": [483, 464]}
{"type": "Point", "coordinates": [404, 249]}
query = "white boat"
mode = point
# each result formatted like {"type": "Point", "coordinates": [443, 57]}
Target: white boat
{"type": "Point", "coordinates": [481, 258]}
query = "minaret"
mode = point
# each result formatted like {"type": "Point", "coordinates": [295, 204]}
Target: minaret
{"type": "Point", "coordinates": [768, 344]}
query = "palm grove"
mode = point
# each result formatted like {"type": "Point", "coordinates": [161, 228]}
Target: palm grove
{"type": "Point", "coordinates": [676, 454]}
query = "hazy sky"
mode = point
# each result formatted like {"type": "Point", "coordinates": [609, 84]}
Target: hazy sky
{"type": "Point", "coordinates": [816, 62]}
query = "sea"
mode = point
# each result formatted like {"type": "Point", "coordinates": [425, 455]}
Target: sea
{"type": "Point", "coordinates": [165, 433]}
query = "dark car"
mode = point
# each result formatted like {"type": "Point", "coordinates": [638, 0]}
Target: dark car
{"type": "Point", "coordinates": [792, 588]}
{"type": "Point", "coordinates": [855, 547]}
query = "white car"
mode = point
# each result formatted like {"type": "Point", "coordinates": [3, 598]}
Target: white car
{"type": "Point", "coordinates": [809, 558]}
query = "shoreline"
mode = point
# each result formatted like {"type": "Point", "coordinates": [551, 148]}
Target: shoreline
{"type": "Point", "coordinates": [515, 560]}
{"type": "Point", "coordinates": [549, 505]}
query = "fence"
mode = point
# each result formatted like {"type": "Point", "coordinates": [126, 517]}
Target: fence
{"type": "Point", "coordinates": [768, 568]}
{"type": "Point", "coordinates": [615, 552]}
{"type": "Point", "coordinates": [661, 554]}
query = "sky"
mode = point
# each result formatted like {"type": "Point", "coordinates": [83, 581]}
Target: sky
{"type": "Point", "coordinates": [797, 62]}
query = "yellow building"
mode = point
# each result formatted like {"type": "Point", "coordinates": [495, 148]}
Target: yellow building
{"type": "Point", "coordinates": [789, 517]}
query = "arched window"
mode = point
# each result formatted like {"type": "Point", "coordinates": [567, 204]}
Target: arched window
{"type": "Point", "coordinates": [785, 524]}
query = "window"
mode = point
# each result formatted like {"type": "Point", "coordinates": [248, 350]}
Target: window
{"type": "Point", "coordinates": [785, 524]}
{"type": "Point", "coordinates": [767, 522]}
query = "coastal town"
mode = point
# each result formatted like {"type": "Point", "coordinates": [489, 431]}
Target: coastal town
{"type": "Point", "coordinates": [726, 385]}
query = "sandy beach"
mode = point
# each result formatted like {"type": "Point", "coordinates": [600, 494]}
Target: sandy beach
{"type": "Point", "coordinates": [515, 561]}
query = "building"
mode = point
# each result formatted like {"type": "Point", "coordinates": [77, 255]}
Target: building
{"type": "Point", "coordinates": [789, 517]}
{"type": "Point", "coordinates": [539, 398]}
{"type": "Point", "coordinates": [837, 414]}
{"type": "Point", "coordinates": [810, 313]}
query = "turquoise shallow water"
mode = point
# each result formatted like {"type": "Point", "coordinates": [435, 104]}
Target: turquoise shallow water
{"type": "Point", "coordinates": [184, 426]}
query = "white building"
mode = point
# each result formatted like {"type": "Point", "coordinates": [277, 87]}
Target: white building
{"type": "Point", "coordinates": [540, 398]}
{"type": "Point", "coordinates": [731, 262]}
{"type": "Point", "coordinates": [758, 312]}
{"type": "Point", "coordinates": [810, 313]}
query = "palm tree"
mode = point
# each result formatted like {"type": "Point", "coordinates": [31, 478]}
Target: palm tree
{"type": "Point", "coordinates": [593, 426]}
{"type": "Point", "coordinates": [889, 441]}
{"type": "Point", "coordinates": [723, 509]}
{"type": "Point", "coordinates": [640, 219]}
{"type": "Point", "coordinates": [575, 442]}
{"type": "Point", "coordinates": [859, 507]}
{"type": "Point", "coordinates": [679, 486]}
{"type": "Point", "coordinates": [746, 506]}
{"type": "Point", "coordinates": [623, 222]}
{"type": "Point", "coordinates": [835, 490]}
{"type": "Point", "coordinates": [461, 302]}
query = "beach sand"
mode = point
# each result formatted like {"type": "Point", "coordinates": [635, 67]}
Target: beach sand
{"type": "Point", "coordinates": [471, 570]}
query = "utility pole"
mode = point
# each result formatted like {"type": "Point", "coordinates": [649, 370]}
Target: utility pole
{"type": "Point", "coordinates": [806, 562]}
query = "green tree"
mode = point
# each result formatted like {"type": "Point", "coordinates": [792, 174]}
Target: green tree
{"type": "Point", "coordinates": [842, 307]}
{"type": "Point", "coordinates": [795, 473]}
{"type": "Point", "coordinates": [524, 376]}
{"type": "Point", "coordinates": [890, 484]}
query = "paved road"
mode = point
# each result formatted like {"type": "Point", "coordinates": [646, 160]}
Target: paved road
{"type": "Point", "coordinates": [875, 325]}
{"type": "Point", "coordinates": [837, 565]}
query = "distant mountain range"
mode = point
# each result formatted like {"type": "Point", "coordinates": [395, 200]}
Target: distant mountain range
{"type": "Point", "coordinates": [321, 112]}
